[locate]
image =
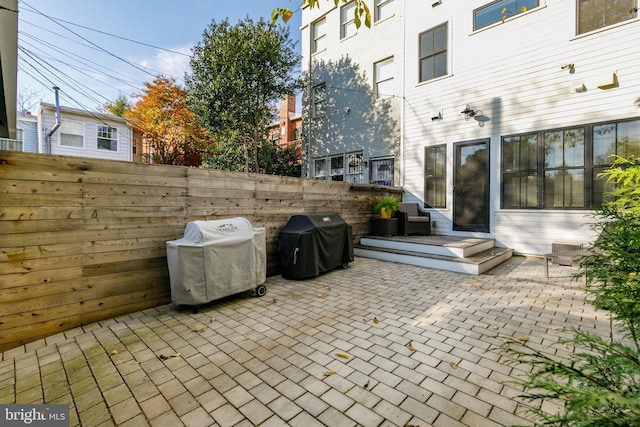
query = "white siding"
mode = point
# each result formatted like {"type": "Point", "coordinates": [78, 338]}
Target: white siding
{"type": "Point", "coordinates": [91, 121]}
{"type": "Point", "coordinates": [512, 73]}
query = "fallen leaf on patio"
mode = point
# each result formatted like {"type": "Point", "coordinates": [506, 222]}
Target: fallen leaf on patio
{"type": "Point", "coordinates": [485, 325]}
{"type": "Point", "coordinates": [375, 320]}
{"type": "Point", "coordinates": [275, 300]}
{"type": "Point", "coordinates": [327, 373]}
{"type": "Point", "coordinates": [194, 330]}
{"type": "Point", "coordinates": [496, 327]}
{"type": "Point", "coordinates": [476, 278]}
{"type": "Point", "coordinates": [410, 346]}
{"type": "Point", "coordinates": [114, 352]}
{"type": "Point", "coordinates": [366, 385]}
{"type": "Point", "coordinates": [454, 365]}
{"type": "Point", "coordinates": [165, 357]}
{"type": "Point", "coordinates": [203, 330]}
{"type": "Point", "coordinates": [320, 296]}
{"type": "Point", "coordinates": [484, 288]}
{"type": "Point", "coordinates": [213, 319]}
{"type": "Point", "coordinates": [343, 355]}
{"type": "Point", "coordinates": [523, 339]}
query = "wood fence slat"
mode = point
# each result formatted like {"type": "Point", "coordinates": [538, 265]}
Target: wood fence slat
{"type": "Point", "coordinates": [85, 239]}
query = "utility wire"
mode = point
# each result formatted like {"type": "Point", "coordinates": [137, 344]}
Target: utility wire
{"type": "Point", "coordinates": [90, 42]}
{"type": "Point", "coordinates": [116, 36]}
{"type": "Point", "coordinates": [85, 62]}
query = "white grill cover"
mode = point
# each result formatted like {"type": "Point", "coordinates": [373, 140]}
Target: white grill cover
{"type": "Point", "coordinates": [215, 259]}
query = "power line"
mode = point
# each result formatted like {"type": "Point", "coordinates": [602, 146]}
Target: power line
{"type": "Point", "coordinates": [116, 36]}
{"type": "Point", "coordinates": [90, 42]}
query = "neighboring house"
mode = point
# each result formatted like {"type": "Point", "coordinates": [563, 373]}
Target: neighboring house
{"type": "Point", "coordinates": [353, 102]}
{"type": "Point", "coordinates": [506, 118]}
{"type": "Point", "coordinates": [287, 130]}
{"type": "Point", "coordinates": [27, 131]}
{"type": "Point", "coordinates": [84, 134]}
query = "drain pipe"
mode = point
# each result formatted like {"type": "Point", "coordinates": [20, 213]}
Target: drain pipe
{"type": "Point", "coordinates": [57, 125]}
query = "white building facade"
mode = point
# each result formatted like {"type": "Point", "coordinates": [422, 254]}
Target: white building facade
{"type": "Point", "coordinates": [509, 110]}
{"type": "Point", "coordinates": [84, 134]}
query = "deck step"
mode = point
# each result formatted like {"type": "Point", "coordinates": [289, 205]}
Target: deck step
{"type": "Point", "coordinates": [462, 255]}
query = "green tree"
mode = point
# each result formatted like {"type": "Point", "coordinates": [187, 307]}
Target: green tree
{"type": "Point", "coordinates": [599, 384]}
{"type": "Point", "coordinates": [118, 107]}
{"type": "Point", "coordinates": [237, 73]}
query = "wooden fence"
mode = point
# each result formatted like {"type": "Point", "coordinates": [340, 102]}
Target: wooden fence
{"type": "Point", "coordinates": [84, 240]}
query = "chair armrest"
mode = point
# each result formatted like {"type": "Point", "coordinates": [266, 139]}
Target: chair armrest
{"type": "Point", "coordinates": [422, 212]}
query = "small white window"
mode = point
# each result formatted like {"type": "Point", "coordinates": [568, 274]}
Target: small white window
{"type": "Point", "coordinates": [107, 138]}
{"type": "Point", "coordinates": [384, 9]}
{"type": "Point", "coordinates": [319, 36]}
{"type": "Point", "coordinates": [383, 72]}
{"type": "Point", "coordinates": [347, 23]}
{"type": "Point", "coordinates": [72, 133]}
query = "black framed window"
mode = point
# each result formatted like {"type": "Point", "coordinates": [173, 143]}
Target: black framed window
{"type": "Point", "coordinates": [435, 167]}
{"type": "Point", "coordinates": [594, 14]}
{"type": "Point", "coordinates": [559, 168]}
{"type": "Point", "coordinates": [497, 10]}
{"type": "Point", "coordinates": [520, 171]}
{"type": "Point", "coordinates": [433, 53]}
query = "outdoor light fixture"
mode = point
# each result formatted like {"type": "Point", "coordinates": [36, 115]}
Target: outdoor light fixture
{"type": "Point", "coordinates": [570, 67]}
{"type": "Point", "coordinates": [437, 116]}
{"type": "Point", "coordinates": [438, 3]}
{"type": "Point", "coordinates": [468, 112]}
{"type": "Point", "coordinates": [480, 118]}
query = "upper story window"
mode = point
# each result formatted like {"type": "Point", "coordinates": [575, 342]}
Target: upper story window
{"type": "Point", "coordinates": [319, 33]}
{"type": "Point", "coordinates": [594, 14]}
{"type": "Point", "coordinates": [72, 133]}
{"type": "Point", "coordinates": [433, 53]}
{"type": "Point", "coordinates": [107, 138]}
{"type": "Point", "coordinates": [384, 9]}
{"type": "Point", "coordinates": [319, 100]}
{"type": "Point", "coordinates": [347, 22]}
{"type": "Point", "coordinates": [383, 74]}
{"type": "Point", "coordinates": [497, 10]}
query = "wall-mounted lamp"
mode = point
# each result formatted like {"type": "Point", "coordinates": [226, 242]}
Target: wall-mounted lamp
{"type": "Point", "coordinates": [347, 110]}
{"type": "Point", "coordinates": [468, 112]}
{"type": "Point", "coordinates": [480, 118]}
{"type": "Point", "coordinates": [438, 3]}
{"type": "Point", "coordinates": [437, 116]}
{"type": "Point", "coordinates": [570, 67]}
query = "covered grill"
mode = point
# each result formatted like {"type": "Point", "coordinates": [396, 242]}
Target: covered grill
{"type": "Point", "coordinates": [314, 243]}
{"type": "Point", "coordinates": [215, 259]}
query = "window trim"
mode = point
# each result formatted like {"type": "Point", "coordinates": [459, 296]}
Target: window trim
{"type": "Point", "coordinates": [495, 3]}
{"type": "Point", "coordinates": [315, 37]}
{"type": "Point", "coordinates": [347, 20]}
{"type": "Point", "coordinates": [378, 5]}
{"type": "Point", "coordinates": [433, 54]}
{"type": "Point", "coordinates": [116, 139]}
{"type": "Point", "coordinates": [605, 26]}
{"type": "Point", "coordinates": [590, 168]}
{"type": "Point", "coordinates": [318, 112]}
{"type": "Point", "coordinates": [442, 177]}
{"type": "Point", "coordinates": [62, 132]}
{"type": "Point", "coordinates": [377, 81]}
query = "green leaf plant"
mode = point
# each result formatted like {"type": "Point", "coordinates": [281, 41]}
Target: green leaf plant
{"type": "Point", "coordinates": [598, 383]}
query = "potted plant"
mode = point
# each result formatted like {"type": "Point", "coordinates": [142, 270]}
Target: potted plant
{"type": "Point", "coordinates": [386, 207]}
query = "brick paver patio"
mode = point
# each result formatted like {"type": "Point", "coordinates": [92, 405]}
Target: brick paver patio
{"type": "Point", "coordinates": [420, 346]}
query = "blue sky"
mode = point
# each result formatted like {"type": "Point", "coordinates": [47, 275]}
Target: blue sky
{"type": "Point", "coordinates": [91, 67]}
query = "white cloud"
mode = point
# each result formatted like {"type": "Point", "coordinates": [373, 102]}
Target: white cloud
{"type": "Point", "coordinates": [170, 64]}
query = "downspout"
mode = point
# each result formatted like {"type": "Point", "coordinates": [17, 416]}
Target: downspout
{"type": "Point", "coordinates": [56, 125]}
